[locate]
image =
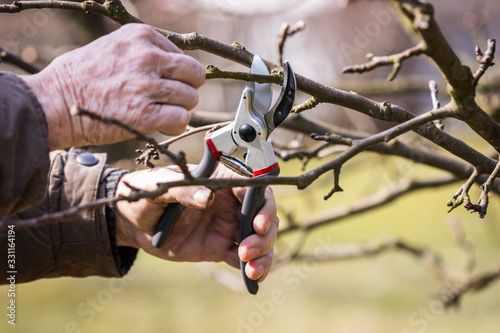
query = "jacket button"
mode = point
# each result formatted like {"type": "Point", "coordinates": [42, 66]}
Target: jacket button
{"type": "Point", "coordinates": [87, 159]}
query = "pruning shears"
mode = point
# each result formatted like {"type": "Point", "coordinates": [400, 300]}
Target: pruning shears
{"type": "Point", "coordinates": [253, 123]}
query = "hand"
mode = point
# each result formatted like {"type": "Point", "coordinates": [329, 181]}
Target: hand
{"type": "Point", "coordinates": [134, 74]}
{"type": "Point", "coordinates": [201, 233]}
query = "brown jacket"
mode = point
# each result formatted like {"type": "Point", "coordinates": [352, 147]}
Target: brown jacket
{"type": "Point", "coordinates": [32, 184]}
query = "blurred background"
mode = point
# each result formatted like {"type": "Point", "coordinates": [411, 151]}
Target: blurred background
{"type": "Point", "coordinates": [389, 292]}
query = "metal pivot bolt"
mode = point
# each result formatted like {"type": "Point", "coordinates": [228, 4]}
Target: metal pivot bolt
{"type": "Point", "coordinates": [247, 133]}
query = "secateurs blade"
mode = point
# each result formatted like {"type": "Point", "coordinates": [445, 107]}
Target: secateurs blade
{"type": "Point", "coordinates": [255, 120]}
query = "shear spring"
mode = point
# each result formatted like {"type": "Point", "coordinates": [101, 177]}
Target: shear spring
{"type": "Point", "coordinates": [236, 165]}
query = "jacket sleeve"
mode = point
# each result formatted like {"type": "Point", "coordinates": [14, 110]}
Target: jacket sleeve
{"type": "Point", "coordinates": [32, 184]}
{"type": "Point", "coordinates": [82, 246]}
{"type": "Point", "coordinates": [24, 146]}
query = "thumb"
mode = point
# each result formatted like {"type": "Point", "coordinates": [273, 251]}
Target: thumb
{"type": "Point", "coordinates": [190, 196]}
{"type": "Point", "coordinates": [198, 197]}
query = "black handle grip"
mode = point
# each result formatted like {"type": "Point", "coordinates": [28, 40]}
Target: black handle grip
{"type": "Point", "coordinates": [174, 211]}
{"type": "Point", "coordinates": [252, 203]}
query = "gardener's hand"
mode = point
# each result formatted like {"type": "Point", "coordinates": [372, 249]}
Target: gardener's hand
{"type": "Point", "coordinates": [201, 233]}
{"type": "Point", "coordinates": [134, 74]}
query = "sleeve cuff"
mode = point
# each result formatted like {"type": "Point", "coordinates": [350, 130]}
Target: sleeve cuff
{"type": "Point", "coordinates": [124, 256]}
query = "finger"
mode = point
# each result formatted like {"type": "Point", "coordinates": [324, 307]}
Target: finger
{"type": "Point", "coordinates": [182, 68]}
{"type": "Point", "coordinates": [198, 197]}
{"type": "Point", "coordinates": [259, 268]}
{"type": "Point", "coordinates": [267, 214]}
{"type": "Point", "coordinates": [167, 119]}
{"type": "Point", "coordinates": [255, 246]}
{"type": "Point", "coordinates": [167, 91]}
{"type": "Point", "coordinates": [190, 196]}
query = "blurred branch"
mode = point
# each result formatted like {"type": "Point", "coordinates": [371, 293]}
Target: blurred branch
{"type": "Point", "coordinates": [466, 245]}
{"type": "Point", "coordinates": [376, 247]}
{"type": "Point", "coordinates": [461, 283]}
{"type": "Point", "coordinates": [383, 197]}
{"type": "Point", "coordinates": [6, 56]}
{"type": "Point", "coordinates": [452, 296]}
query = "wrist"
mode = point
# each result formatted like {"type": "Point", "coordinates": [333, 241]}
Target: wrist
{"type": "Point", "coordinates": [121, 227]}
{"type": "Point", "coordinates": [125, 232]}
{"type": "Point", "coordinates": [57, 113]}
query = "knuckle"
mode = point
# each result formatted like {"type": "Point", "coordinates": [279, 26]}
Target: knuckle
{"type": "Point", "coordinates": [138, 30]}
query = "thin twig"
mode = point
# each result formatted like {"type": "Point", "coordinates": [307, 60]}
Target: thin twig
{"type": "Point", "coordinates": [435, 102]}
{"type": "Point", "coordinates": [336, 184]}
{"type": "Point", "coordinates": [306, 105]}
{"type": "Point", "coordinates": [178, 159]}
{"type": "Point", "coordinates": [192, 131]}
{"type": "Point", "coordinates": [285, 32]}
{"type": "Point", "coordinates": [462, 195]}
{"type": "Point", "coordinates": [395, 60]}
{"type": "Point", "coordinates": [485, 60]}
{"type": "Point", "coordinates": [486, 188]}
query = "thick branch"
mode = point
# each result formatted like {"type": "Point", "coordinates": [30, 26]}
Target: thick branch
{"type": "Point", "coordinates": [215, 73]}
{"type": "Point", "coordinates": [461, 83]}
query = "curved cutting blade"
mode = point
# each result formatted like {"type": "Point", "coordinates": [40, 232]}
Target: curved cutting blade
{"type": "Point", "coordinates": [263, 93]}
{"type": "Point", "coordinates": [281, 109]}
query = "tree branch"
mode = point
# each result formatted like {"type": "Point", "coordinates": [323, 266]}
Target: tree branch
{"type": "Point", "coordinates": [485, 60]}
{"type": "Point", "coordinates": [235, 52]}
{"type": "Point", "coordinates": [461, 82]}
{"type": "Point", "coordinates": [383, 197]}
{"type": "Point", "coordinates": [178, 159]}
{"type": "Point", "coordinates": [285, 32]}
{"type": "Point", "coordinates": [462, 195]}
{"type": "Point", "coordinates": [6, 56]}
{"type": "Point", "coordinates": [395, 60]}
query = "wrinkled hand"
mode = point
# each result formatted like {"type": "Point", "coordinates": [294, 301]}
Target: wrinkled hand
{"type": "Point", "coordinates": [201, 234]}
{"type": "Point", "coordinates": [134, 75]}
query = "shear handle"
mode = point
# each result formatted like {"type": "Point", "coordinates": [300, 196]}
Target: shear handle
{"type": "Point", "coordinates": [174, 210]}
{"type": "Point", "coordinates": [252, 203]}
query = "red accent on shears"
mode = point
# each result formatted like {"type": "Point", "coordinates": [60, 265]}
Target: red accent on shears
{"type": "Point", "coordinates": [216, 154]}
{"type": "Point", "coordinates": [265, 170]}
